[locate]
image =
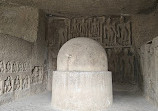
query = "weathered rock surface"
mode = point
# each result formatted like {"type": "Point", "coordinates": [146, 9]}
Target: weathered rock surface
{"type": "Point", "coordinates": [19, 21]}
{"type": "Point", "coordinates": [149, 64]}
{"type": "Point", "coordinates": [22, 65]}
{"type": "Point", "coordinates": [90, 7]}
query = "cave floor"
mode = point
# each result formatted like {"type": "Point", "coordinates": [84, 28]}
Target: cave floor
{"type": "Point", "coordinates": [123, 101]}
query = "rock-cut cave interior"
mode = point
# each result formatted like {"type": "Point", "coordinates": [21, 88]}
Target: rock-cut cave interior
{"type": "Point", "coordinates": [78, 55]}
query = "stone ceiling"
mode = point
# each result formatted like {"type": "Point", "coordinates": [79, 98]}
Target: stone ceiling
{"type": "Point", "coordinates": [90, 7]}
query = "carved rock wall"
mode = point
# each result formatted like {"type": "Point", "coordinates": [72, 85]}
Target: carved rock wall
{"type": "Point", "coordinates": [114, 33]}
{"type": "Point", "coordinates": [22, 65]}
{"type": "Point", "coordinates": [149, 64]}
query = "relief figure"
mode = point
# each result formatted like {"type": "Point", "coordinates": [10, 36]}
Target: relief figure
{"type": "Point", "coordinates": [123, 32]}
{"type": "Point", "coordinates": [95, 28]}
{"type": "Point", "coordinates": [7, 84]}
{"type": "Point", "coordinates": [14, 67]}
{"type": "Point", "coordinates": [20, 67]}
{"type": "Point", "coordinates": [1, 67]}
{"type": "Point", "coordinates": [61, 36]}
{"type": "Point", "coordinates": [8, 67]}
{"type": "Point", "coordinates": [35, 75]}
{"type": "Point", "coordinates": [109, 33]}
{"type": "Point", "coordinates": [17, 83]}
{"type": "Point", "coordinates": [40, 73]}
{"type": "Point", "coordinates": [25, 82]}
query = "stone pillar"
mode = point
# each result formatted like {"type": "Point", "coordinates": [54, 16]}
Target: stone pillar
{"type": "Point", "coordinates": [82, 82]}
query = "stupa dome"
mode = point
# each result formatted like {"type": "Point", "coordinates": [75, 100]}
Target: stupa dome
{"type": "Point", "coordinates": [82, 54]}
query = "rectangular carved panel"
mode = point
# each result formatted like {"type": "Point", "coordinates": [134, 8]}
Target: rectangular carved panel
{"type": "Point", "coordinates": [114, 33]}
{"type": "Point", "coordinates": [17, 78]}
{"type": "Point", "coordinates": [109, 31]}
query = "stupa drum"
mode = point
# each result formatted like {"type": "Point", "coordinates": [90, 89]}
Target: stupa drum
{"type": "Point", "coordinates": [82, 81]}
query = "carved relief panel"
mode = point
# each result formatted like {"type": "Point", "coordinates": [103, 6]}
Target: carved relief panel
{"type": "Point", "coordinates": [17, 76]}
{"type": "Point", "coordinates": [17, 83]}
{"type": "Point", "coordinates": [109, 31]}
{"type": "Point", "coordinates": [121, 63]}
{"type": "Point", "coordinates": [25, 82]}
{"type": "Point", "coordinates": [13, 66]}
{"type": "Point", "coordinates": [37, 75]}
{"type": "Point", "coordinates": [114, 33]}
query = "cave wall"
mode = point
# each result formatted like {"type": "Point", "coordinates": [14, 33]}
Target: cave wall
{"type": "Point", "coordinates": [144, 27]}
{"type": "Point", "coordinates": [149, 66]}
{"type": "Point", "coordinates": [141, 27]}
{"type": "Point", "coordinates": [19, 21]}
{"type": "Point", "coordinates": [144, 30]}
{"type": "Point", "coordinates": [114, 33]}
{"type": "Point", "coordinates": [89, 7]}
{"type": "Point", "coordinates": [23, 64]}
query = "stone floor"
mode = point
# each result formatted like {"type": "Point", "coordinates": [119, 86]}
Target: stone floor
{"type": "Point", "coordinates": [123, 101]}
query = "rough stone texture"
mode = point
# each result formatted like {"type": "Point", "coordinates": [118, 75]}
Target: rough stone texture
{"type": "Point", "coordinates": [82, 82]}
{"type": "Point", "coordinates": [144, 27]}
{"type": "Point", "coordinates": [89, 7]}
{"type": "Point", "coordinates": [82, 54]}
{"type": "Point", "coordinates": [19, 21]}
{"type": "Point", "coordinates": [149, 64]}
{"type": "Point", "coordinates": [53, 47]}
{"type": "Point", "coordinates": [13, 50]}
{"type": "Point", "coordinates": [22, 65]}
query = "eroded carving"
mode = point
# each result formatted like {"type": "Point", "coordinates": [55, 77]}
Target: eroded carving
{"type": "Point", "coordinates": [123, 32]}
{"type": "Point", "coordinates": [20, 67]}
{"type": "Point", "coordinates": [95, 28]}
{"type": "Point", "coordinates": [8, 66]}
{"type": "Point", "coordinates": [113, 32]}
{"type": "Point", "coordinates": [25, 82]}
{"type": "Point", "coordinates": [14, 67]}
{"type": "Point", "coordinates": [37, 75]}
{"type": "Point", "coordinates": [17, 83]}
{"type": "Point", "coordinates": [121, 62]}
{"type": "Point", "coordinates": [40, 74]}
{"type": "Point", "coordinates": [109, 31]}
{"type": "Point", "coordinates": [24, 66]}
{"type": "Point", "coordinates": [13, 80]}
{"type": "Point", "coordinates": [1, 87]}
{"type": "Point", "coordinates": [8, 85]}
{"type": "Point", "coordinates": [2, 66]}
